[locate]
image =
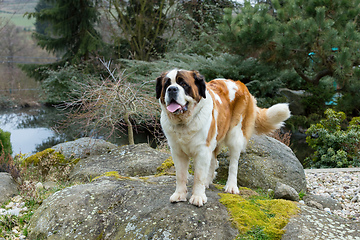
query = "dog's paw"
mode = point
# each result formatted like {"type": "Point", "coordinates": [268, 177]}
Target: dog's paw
{"type": "Point", "coordinates": [178, 197]}
{"type": "Point", "coordinates": [232, 189]}
{"type": "Point", "coordinates": [198, 200]}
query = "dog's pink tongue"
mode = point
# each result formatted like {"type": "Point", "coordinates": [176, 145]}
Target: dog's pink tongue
{"type": "Point", "coordinates": [173, 107]}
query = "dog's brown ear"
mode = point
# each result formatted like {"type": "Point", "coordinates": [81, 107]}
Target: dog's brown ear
{"type": "Point", "coordinates": [159, 86]}
{"type": "Point", "coordinates": [200, 83]}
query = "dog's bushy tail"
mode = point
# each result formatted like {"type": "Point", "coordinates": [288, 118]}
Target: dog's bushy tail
{"type": "Point", "coordinates": [270, 119]}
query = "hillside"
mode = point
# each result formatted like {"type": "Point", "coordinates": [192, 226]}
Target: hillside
{"type": "Point", "coordinates": [14, 10]}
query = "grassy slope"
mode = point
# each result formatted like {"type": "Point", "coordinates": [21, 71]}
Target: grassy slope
{"type": "Point", "coordinates": [14, 10]}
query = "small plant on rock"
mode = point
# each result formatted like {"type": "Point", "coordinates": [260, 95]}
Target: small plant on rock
{"type": "Point", "coordinates": [47, 165]}
{"type": "Point", "coordinates": [334, 146]}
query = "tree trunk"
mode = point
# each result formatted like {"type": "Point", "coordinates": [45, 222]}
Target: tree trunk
{"type": "Point", "coordinates": [130, 128]}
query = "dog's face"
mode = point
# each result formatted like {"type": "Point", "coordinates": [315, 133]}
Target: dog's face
{"type": "Point", "coordinates": [179, 91]}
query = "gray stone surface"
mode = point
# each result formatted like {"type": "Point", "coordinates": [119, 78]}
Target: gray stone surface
{"type": "Point", "coordinates": [84, 147]}
{"type": "Point", "coordinates": [129, 209]}
{"type": "Point", "coordinates": [325, 201]}
{"type": "Point", "coordinates": [265, 163]}
{"type": "Point", "coordinates": [312, 223]}
{"type": "Point", "coordinates": [8, 187]}
{"type": "Point", "coordinates": [129, 160]}
{"type": "Point", "coordinates": [139, 208]}
{"type": "Point", "coordinates": [283, 191]}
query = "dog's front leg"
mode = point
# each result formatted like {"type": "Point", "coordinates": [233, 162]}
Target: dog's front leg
{"type": "Point", "coordinates": [181, 162]}
{"type": "Point", "coordinates": [202, 165]}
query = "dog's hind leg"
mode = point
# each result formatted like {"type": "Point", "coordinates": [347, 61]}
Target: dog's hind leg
{"type": "Point", "coordinates": [236, 142]}
{"type": "Point", "coordinates": [213, 166]}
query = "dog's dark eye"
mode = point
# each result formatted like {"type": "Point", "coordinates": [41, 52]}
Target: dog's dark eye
{"type": "Point", "coordinates": [183, 84]}
{"type": "Point", "coordinates": [167, 82]}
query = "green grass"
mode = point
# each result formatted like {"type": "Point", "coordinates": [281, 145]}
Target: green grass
{"type": "Point", "coordinates": [14, 11]}
{"type": "Point", "coordinates": [19, 20]}
{"type": "Point", "coordinates": [18, 6]}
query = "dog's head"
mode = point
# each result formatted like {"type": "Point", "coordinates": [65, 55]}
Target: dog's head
{"type": "Point", "coordinates": [179, 90]}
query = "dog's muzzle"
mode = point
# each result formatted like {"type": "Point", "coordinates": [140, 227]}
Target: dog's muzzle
{"type": "Point", "coordinates": [172, 105]}
{"type": "Point", "coordinates": [172, 92]}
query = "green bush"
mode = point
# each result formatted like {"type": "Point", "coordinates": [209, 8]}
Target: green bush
{"type": "Point", "coordinates": [5, 144]}
{"type": "Point", "coordinates": [5, 102]}
{"type": "Point", "coordinates": [64, 83]}
{"type": "Point", "coordinates": [5, 151]}
{"type": "Point", "coordinates": [333, 145]}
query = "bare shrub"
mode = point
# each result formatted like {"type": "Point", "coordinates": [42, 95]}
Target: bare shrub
{"type": "Point", "coordinates": [114, 104]}
{"type": "Point", "coordinates": [284, 137]}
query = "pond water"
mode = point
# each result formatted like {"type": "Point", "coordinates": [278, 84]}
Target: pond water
{"type": "Point", "coordinates": [33, 129]}
{"type": "Point", "coordinates": [28, 129]}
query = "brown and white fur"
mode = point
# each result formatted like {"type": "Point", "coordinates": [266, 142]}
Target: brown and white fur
{"type": "Point", "coordinates": [198, 118]}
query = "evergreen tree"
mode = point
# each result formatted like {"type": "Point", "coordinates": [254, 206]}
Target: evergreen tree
{"type": "Point", "coordinates": [202, 15]}
{"type": "Point", "coordinates": [316, 38]}
{"type": "Point", "coordinates": [142, 24]}
{"type": "Point", "coordinates": [41, 26]}
{"type": "Point", "coordinates": [196, 26]}
{"type": "Point", "coordinates": [72, 28]}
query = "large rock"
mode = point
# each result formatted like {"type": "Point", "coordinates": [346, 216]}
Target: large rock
{"type": "Point", "coordinates": [265, 163]}
{"type": "Point", "coordinates": [129, 209]}
{"type": "Point", "coordinates": [129, 160]}
{"type": "Point", "coordinates": [84, 147]}
{"type": "Point", "coordinates": [8, 187]}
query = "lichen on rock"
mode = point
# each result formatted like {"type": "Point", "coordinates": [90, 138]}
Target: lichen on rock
{"type": "Point", "coordinates": [267, 215]}
{"type": "Point", "coordinates": [112, 174]}
{"type": "Point", "coordinates": [165, 167]}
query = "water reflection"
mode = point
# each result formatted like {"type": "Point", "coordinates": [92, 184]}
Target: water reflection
{"type": "Point", "coordinates": [31, 128]}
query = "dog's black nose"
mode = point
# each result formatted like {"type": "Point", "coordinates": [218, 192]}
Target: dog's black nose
{"type": "Point", "coordinates": [172, 92]}
{"type": "Point", "coordinates": [173, 89]}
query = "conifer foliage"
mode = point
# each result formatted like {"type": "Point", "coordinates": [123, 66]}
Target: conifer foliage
{"type": "Point", "coordinates": [142, 23]}
{"type": "Point", "coordinates": [72, 30]}
{"type": "Point", "coordinates": [316, 38]}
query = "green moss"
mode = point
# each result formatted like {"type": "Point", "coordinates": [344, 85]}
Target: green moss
{"type": "Point", "coordinates": [269, 216]}
{"type": "Point", "coordinates": [191, 169]}
{"type": "Point", "coordinates": [144, 178]}
{"type": "Point", "coordinates": [244, 191]}
{"type": "Point", "coordinates": [37, 157]}
{"type": "Point", "coordinates": [113, 174]}
{"type": "Point", "coordinates": [165, 166]}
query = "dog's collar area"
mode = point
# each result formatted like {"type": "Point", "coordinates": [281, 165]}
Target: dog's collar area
{"type": "Point", "coordinates": [176, 108]}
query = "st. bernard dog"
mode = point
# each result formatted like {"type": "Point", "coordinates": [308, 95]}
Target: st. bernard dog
{"type": "Point", "coordinates": [198, 118]}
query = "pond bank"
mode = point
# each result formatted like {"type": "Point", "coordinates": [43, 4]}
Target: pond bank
{"type": "Point", "coordinates": [33, 129]}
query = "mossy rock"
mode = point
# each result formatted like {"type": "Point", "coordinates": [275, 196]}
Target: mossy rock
{"type": "Point", "coordinates": [84, 147]}
{"type": "Point", "coordinates": [57, 158]}
{"type": "Point", "coordinates": [47, 153]}
{"type": "Point", "coordinates": [129, 209]}
{"type": "Point", "coordinates": [265, 163]}
{"type": "Point", "coordinates": [137, 160]}
{"type": "Point", "coordinates": [112, 174]}
{"type": "Point", "coordinates": [265, 217]}
{"type": "Point", "coordinates": [167, 167]}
